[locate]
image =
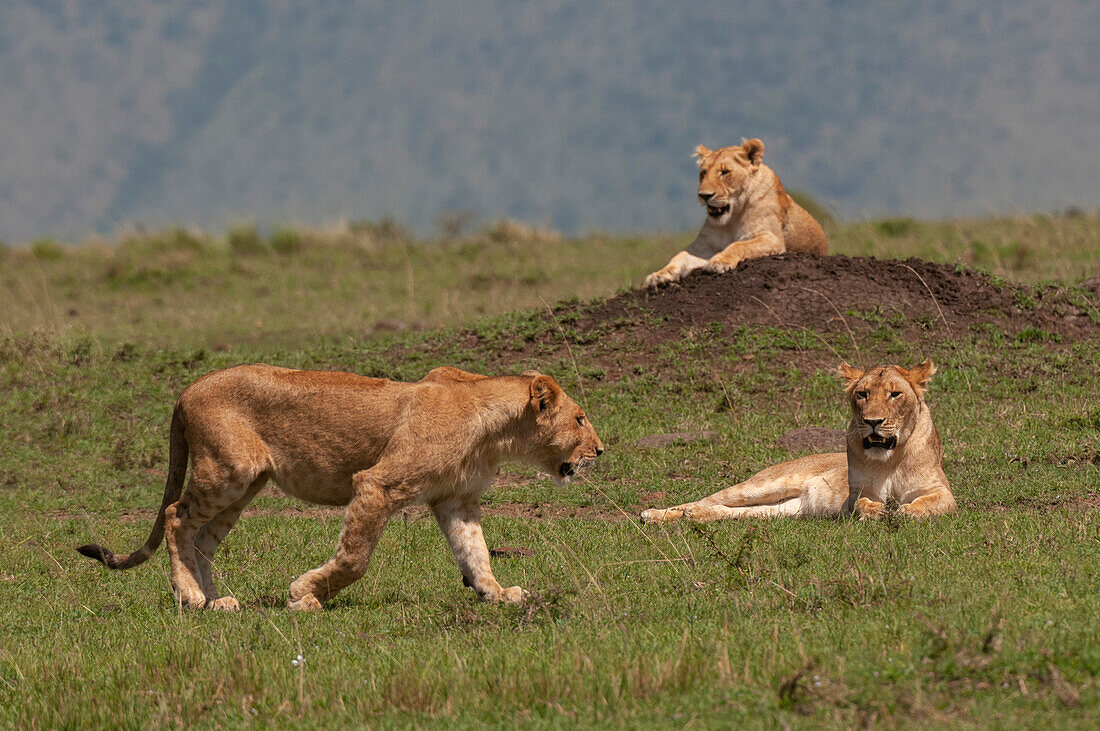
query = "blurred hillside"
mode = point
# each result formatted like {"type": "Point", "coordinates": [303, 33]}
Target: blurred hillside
{"type": "Point", "coordinates": [575, 114]}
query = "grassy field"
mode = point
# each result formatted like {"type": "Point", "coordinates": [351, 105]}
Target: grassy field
{"type": "Point", "coordinates": [985, 618]}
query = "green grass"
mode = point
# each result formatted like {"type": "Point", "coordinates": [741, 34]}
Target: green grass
{"type": "Point", "coordinates": [985, 618]}
{"type": "Point", "coordinates": [179, 286]}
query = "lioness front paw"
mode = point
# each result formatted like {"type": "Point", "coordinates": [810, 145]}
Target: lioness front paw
{"type": "Point", "coordinates": [191, 600]}
{"type": "Point", "coordinates": [307, 603]}
{"type": "Point", "coordinates": [662, 515]}
{"type": "Point", "coordinates": [869, 509]}
{"type": "Point", "coordinates": [224, 604]}
{"type": "Point", "coordinates": [917, 510]}
{"type": "Point", "coordinates": [660, 278]}
{"type": "Point", "coordinates": [513, 595]}
{"type": "Point", "coordinates": [721, 265]}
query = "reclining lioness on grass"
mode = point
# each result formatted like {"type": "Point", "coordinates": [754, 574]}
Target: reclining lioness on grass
{"type": "Point", "coordinates": [341, 439]}
{"type": "Point", "coordinates": [894, 454]}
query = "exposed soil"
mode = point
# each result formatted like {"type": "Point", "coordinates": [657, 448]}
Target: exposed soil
{"type": "Point", "coordinates": [531, 511]}
{"type": "Point", "coordinates": [679, 437]}
{"type": "Point", "coordinates": [802, 290]}
{"type": "Point", "coordinates": [920, 300]}
{"type": "Point", "coordinates": [548, 512]}
{"type": "Point", "coordinates": [813, 439]}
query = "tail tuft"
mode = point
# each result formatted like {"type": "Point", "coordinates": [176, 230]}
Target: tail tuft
{"type": "Point", "coordinates": [99, 553]}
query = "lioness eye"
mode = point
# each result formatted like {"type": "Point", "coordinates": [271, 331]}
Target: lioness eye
{"type": "Point", "coordinates": [580, 420]}
{"type": "Point", "coordinates": [861, 394]}
{"type": "Point", "coordinates": [895, 394]}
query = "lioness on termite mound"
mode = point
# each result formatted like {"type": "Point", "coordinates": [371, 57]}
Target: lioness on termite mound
{"type": "Point", "coordinates": [341, 439]}
{"type": "Point", "coordinates": [748, 215]}
{"type": "Point", "coordinates": [894, 453]}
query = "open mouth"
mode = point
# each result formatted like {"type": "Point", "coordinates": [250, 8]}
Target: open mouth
{"type": "Point", "coordinates": [717, 211]}
{"type": "Point", "coordinates": [878, 442]}
{"type": "Point", "coordinates": [567, 469]}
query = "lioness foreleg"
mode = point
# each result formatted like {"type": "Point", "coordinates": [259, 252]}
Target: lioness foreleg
{"type": "Point", "coordinates": [937, 502]}
{"type": "Point", "coordinates": [460, 520]}
{"type": "Point", "coordinates": [367, 513]}
{"type": "Point", "coordinates": [867, 509]}
{"type": "Point", "coordinates": [675, 270]}
{"type": "Point", "coordinates": [728, 259]}
{"type": "Point", "coordinates": [210, 538]}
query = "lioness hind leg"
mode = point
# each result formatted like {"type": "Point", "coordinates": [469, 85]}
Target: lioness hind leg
{"type": "Point", "coordinates": [663, 515]}
{"type": "Point", "coordinates": [460, 520]}
{"type": "Point", "coordinates": [210, 538]}
{"type": "Point", "coordinates": [214, 486]}
{"type": "Point", "coordinates": [368, 511]}
{"type": "Point", "coordinates": [710, 513]}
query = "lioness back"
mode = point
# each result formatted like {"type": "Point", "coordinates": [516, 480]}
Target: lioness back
{"type": "Point", "coordinates": [307, 421]}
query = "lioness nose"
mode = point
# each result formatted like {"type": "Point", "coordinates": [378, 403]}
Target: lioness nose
{"type": "Point", "coordinates": [873, 423]}
{"type": "Point", "coordinates": [705, 196]}
{"type": "Point", "coordinates": [599, 451]}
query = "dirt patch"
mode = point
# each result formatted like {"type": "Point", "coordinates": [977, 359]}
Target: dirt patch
{"type": "Point", "coordinates": [1088, 501]}
{"type": "Point", "coordinates": [679, 437]}
{"type": "Point", "coordinates": [1092, 284]}
{"type": "Point", "coordinates": [813, 439]}
{"type": "Point", "coordinates": [530, 511]}
{"type": "Point", "coordinates": [547, 512]}
{"type": "Point", "coordinates": [511, 552]}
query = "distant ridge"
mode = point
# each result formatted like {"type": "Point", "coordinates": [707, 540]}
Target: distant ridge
{"type": "Point", "coordinates": [578, 115]}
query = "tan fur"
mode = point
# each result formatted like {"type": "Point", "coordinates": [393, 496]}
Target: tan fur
{"type": "Point", "coordinates": [371, 444]}
{"type": "Point", "coordinates": [761, 219]}
{"type": "Point", "coordinates": [886, 402]}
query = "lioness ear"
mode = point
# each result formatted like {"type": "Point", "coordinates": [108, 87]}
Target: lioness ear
{"type": "Point", "coordinates": [849, 375]}
{"type": "Point", "coordinates": [544, 392]}
{"type": "Point", "coordinates": [700, 153]}
{"type": "Point", "coordinates": [920, 375]}
{"type": "Point", "coordinates": [754, 150]}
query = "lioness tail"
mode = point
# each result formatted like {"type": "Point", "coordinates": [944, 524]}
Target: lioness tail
{"type": "Point", "coordinates": [173, 487]}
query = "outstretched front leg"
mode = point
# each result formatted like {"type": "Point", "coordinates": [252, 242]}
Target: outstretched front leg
{"type": "Point", "coordinates": [938, 501]}
{"type": "Point", "coordinates": [676, 269]}
{"type": "Point", "coordinates": [727, 260]}
{"type": "Point", "coordinates": [460, 520]}
{"type": "Point", "coordinates": [372, 504]}
{"type": "Point", "coordinates": [813, 485]}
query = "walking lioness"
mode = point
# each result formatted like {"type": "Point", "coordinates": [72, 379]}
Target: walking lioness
{"type": "Point", "coordinates": [894, 453]}
{"type": "Point", "coordinates": [748, 215]}
{"type": "Point", "coordinates": [341, 439]}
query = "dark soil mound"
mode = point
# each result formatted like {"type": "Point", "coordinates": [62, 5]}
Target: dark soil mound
{"type": "Point", "coordinates": [841, 292]}
{"type": "Point", "coordinates": [921, 301]}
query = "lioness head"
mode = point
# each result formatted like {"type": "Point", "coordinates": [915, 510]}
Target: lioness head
{"type": "Point", "coordinates": [724, 175]}
{"type": "Point", "coordinates": [886, 403]}
{"type": "Point", "coordinates": [564, 438]}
